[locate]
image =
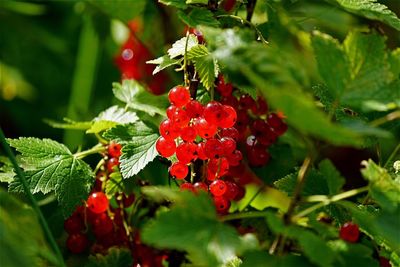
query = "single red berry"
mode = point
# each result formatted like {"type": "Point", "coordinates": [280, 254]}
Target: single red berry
{"type": "Point", "coordinates": [228, 5]}
{"type": "Point", "coordinates": [214, 112]}
{"type": "Point", "coordinates": [225, 89]}
{"type": "Point", "coordinates": [277, 124]}
{"type": "Point", "coordinates": [168, 129]}
{"type": "Point", "coordinates": [111, 163]}
{"type": "Point", "coordinates": [97, 202]}
{"type": "Point", "coordinates": [179, 170]}
{"type": "Point", "coordinates": [171, 111]}
{"type": "Point", "coordinates": [230, 100]}
{"type": "Point", "coordinates": [383, 262]}
{"type": "Point", "coordinates": [246, 102]}
{"type": "Point", "coordinates": [262, 106]}
{"type": "Point", "coordinates": [114, 150]}
{"type": "Point", "coordinates": [231, 190]}
{"type": "Point", "coordinates": [188, 133]}
{"type": "Point", "coordinates": [230, 132]}
{"type": "Point", "coordinates": [165, 147]}
{"type": "Point", "coordinates": [242, 121]}
{"type": "Point", "coordinates": [222, 204]}
{"type": "Point", "coordinates": [186, 152]}
{"type": "Point", "coordinates": [102, 225]}
{"type": "Point", "coordinates": [205, 129]}
{"type": "Point", "coordinates": [187, 186]}
{"type": "Point", "coordinates": [194, 109]}
{"type": "Point", "coordinates": [213, 148]}
{"type": "Point", "coordinates": [258, 156]}
{"type": "Point", "coordinates": [268, 138]}
{"type": "Point", "coordinates": [77, 243]}
{"type": "Point", "coordinates": [219, 167]}
{"type": "Point", "coordinates": [201, 186]}
{"type": "Point", "coordinates": [74, 224]}
{"type": "Point", "coordinates": [180, 118]}
{"type": "Point", "coordinates": [229, 145]}
{"type": "Point", "coordinates": [128, 200]}
{"type": "Point", "coordinates": [235, 158]}
{"type": "Point", "coordinates": [201, 154]}
{"type": "Point", "coordinates": [198, 34]}
{"type": "Point", "coordinates": [218, 188]}
{"type": "Point", "coordinates": [229, 117]}
{"type": "Point", "coordinates": [179, 96]}
{"type": "Point", "coordinates": [240, 194]}
{"type": "Point", "coordinates": [349, 232]}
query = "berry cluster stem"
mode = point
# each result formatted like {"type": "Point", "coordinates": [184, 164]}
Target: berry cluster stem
{"type": "Point", "coordinates": [34, 204]}
{"type": "Point", "coordinates": [96, 149]}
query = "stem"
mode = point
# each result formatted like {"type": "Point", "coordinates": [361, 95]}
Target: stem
{"type": "Point", "coordinates": [243, 215]}
{"type": "Point", "coordinates": [328, 200]}
{"type": "Point", "coordinates": [251, 4]}
{"type": "Point", "coordinates": [34, 204]}
{"type": "Point", "coordinates": [394, 153]}
{"type": "Point", "coordinates": [96, 149]}
{"type": "Point", "coordinates": [389, 117]}
{"type": "Point", "coordinates": [185, 71]}
{"type": "Point", "coordinates": [299, 187]}
{"type": "Point", "coordinates": [246, 22]}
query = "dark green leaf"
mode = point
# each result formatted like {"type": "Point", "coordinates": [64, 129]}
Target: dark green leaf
{"type": "Point", "coordinates": [50, 166]}
{"type": "Point", "coordinates": [262, 259]}
{"type": "Point", "coordinates": [115, 257]}
{"type": "Point", "coordinates": [121, 9]}
{"type": "Point", "coordinates": [353, 254]}
{"type": "Point", "coordinates": [199, 16]}
{"type": "Point", "coordinates": [332, 176]}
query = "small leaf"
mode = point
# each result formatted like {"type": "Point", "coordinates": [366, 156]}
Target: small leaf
{"type": "Point", "coordinates": [332, 176]}
{"type": "Point", "coordinates": [163, 62]}
{"type": "Point", "coordinates": [114, 184]}
{"type": "Point", "coordinates": [115, 257]}
{"type": "Point", "coordinates": [207, 68]}
{"type": "Point", "coordinates": [178, 48]}
{"type": "Point", "coordinates": [199, 16]}
{"type": "Point", "coordinates": [69, 124]}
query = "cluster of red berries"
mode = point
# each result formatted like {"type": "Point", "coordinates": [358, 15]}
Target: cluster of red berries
{"type": "Point", "coordinates": [131, 61]}
{"type": "Point", "coordinates": [196, 132]}
{"type": "Point", "coordinates": [258, 127]}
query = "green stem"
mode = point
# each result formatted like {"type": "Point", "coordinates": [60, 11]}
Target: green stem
{"type": "Point", "coordinates": [389, 117]}
{"type": "Point", "coordinates": [394, 153]}
{"type": "Point", "coordinates": [185, 71]}
{"type": "Point", "coordinates": [243, 215]}
{"type": "Point", "coordinates": [325, 200]}
{"type": "Point", "coordinates": [96, 149]}
{"type": "Point", "coordinates": [34, 204]}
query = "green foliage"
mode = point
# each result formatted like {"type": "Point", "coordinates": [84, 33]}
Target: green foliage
{"type": "Point", "coordinates": [115, 257]}
{"type": "Point", "coordinates": [205, 64]}
{"type": "Point", "coordinates": [199, 16]}
{"type": "Point", "coordinates": [163, 62]}
{"type": "Point", "coordinates": [19, 225]}
{"type": "Point", "coordinates": [184, 44]}
{"type": "Point", "coordinates": [50, 167]}
{"type": "Point", "coordinates": [370, 9]}
{"type": "Point", "coordinates": [120, 9]}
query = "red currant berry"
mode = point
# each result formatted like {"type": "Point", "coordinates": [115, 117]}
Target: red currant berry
{"type": "Point", "coordinates": [198, 34]}
{"type": "Point", "coordinates": [222, 204]}
{"type": "Point", "coordinates": [225, 89]}
{"type": "Point", "coordinates": [165, 147]}
{"type": "Point", "coordinates": [229, 145]}
{"type": "Point", "coordinates": [277, 124]}
{"type": "Point", "coordinates": [231, 133]}
{"type": "Point", "coordinates": [77, 243]}
{"type": "Point", "coordinates": [246, 102]}
{"type": "Point", "coordinates": [111, 163]}
{"type": "Point", "coordinates": [97, 202]}
{"type": "Point", "coordinates": [188, 134]}
{"type": "Point", "coordinates": [231, 190]}
{"type": "Point", "coordinates": [180, 118]}
{"type": "Point", "coordinates": [168, 130]}
{"type": "Point", "coordinates": [179, 170]}
{"type": "Point", "coordinates": [258, 156]}
{"type": "Point", "coordinates": [235, 158]}
{"type": "Point", "coordinates": [229, 117]}
{"type": "Point", "coordinates": [186, 152]}
{"type": "Point", "coordinates": [171, 111]}
{"type": "Point", "coordinates": [114, 150]}
{"type": "Point", "coordinates": [218, 188]}
{"type": "Point", "coordinates": [179, 96]}
{"type": "Point", "coordinates": [200, 151]}
{"type": "Point", "coordinates": [213, 112]}
{"type": "Point", "coordinates": [219, 167]}
{"type": "Point", "coordinates": [213, 148]}
{"type": "Point", "coordinates": [205, 129]}
{"type": "Point", "coordinates": [262, 106]}
{"type": "Point", "coordinates": [187, 186]}
{"type": "Point", "coordinates": [230, 100]}
{"type": "Point", "coordinates": [74, 224]}
{"type": "Point", "coordinates": [349, 232]}
{"type": "Point", "coordinates": [201, 186]}
{"type": "Point", "coordinates": [383, 262]}
{"type": "Point", "coordinates": [102, 225]}
{"type": "Point", "coordinates": [194, 109]}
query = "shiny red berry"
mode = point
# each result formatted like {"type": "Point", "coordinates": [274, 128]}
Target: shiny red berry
{"type": "Point", "coordinates": [77, 243]}
{"type": "Point", "coordinates": [229, 145]}
{"type": "Point", "coordinates": [74, 224]}
{"type": "Point", "coordinates": [349, 232]}
{"type": "Point", "coordinates": [235, 158]}
{"type": "Point", "coordinates": [218, 188]}
{"type": "Point", "coordinates": [171, 111]}
{"type": "Point", "coordinates": [168, 129]}
{"type": "Point", "coordinates": [186, 152]}
{"type": "Point", "coordinates": [188, 133]}
{"type": "Point", "coordinates": [111, 163]}
{"type": "Point", "coordinates": [219, 167]}
{"type": "Point", "coordinates": [214, 148]}
{"type": "Point", "coordinates": [200, 151]}
{"type": "Point", "coordinates": [213, 112]}
{"type": "Point", "coordinates": [179, 96]}
{"type": "Point", "coordinates": [102, 225]}
{"type": "Point", "coordinates": [97, 202]}
{"type": "Point", "coordinates": [231, 133]}
{"type": "Point", "coordinates": [205, 129]}
{"type": "Point", "coordinates": [165, 147]}
{"type": "Point", "coordinates": [232, 190]}
{"type": "Point", "coordinates": [114, 150]}
{"type": "Point", "coordinates": [201, 186]}
{"type": "Point", "coordinates": [194, 109]}
{"type": "Point", "coordinates": [258, 156]}
{"type": "Point", "coordinates": [180, 118]}
{"type": "Point", "coordinates": [230, 100]}
{"type": "Point", "coordinates": [179, 170]}
{"type": "Point", "coordinates": [222, 205]}
{"type": "Point", "coordinates": [277, 124]}
{"type": "Point", "coordinates": [225, 89]}
{"type": "Point", "coordinates": [187, 186]}
{"type": "Point", "coordinates": [229, 117]}
{"type": "Point", "coordinates": [246, 102]}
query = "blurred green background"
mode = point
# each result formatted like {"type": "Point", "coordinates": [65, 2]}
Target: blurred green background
{"type": "Point", "coordinates": [57, 57]}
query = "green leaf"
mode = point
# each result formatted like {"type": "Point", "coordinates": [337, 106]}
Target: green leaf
{"type": "Point", "coordinates": [369, 9]}
{"type": "Point", "coordinates": [205, 64]}
{"type": "Point", "coordinates": [136, 97]}
{"type": "Point", "coordinates": [121, 9]}
{"type": "Point", "coordinates": [110, 118]}
{"type": "Point", "coordinates": [383, 188]}
{"type": "Point", "coordinates": [115, 257]}
{"type": "Point", "coordinates": [163, 62]}
{"type": "Point", "coordinates": [175, 3]}
{"type": "Point", "coordinates": [199, 16]}
{"type": "Point", "coordinates": [69, 124]}
{"type": "Point", "coordinates": [197, 51]}
{"type": "Point", "coordinates": [330, 57]}
{"type": "Point", "coordinates": [204, 2]}
{"type": "Point", "coordinates": [353, 254]}
{"type": "Point", "coordinates": [262, 259]}
{"type": "Point", "coordinates": [138, 146]}
{"type": "Point", "coordinates": [178, 48]}
{"type": "Point", "coordinates": [6, 171]}
{"type": "Point", "coordinates": [114, 184]}
{"type": "Point", "coordinates": [191, 225]}
{"type": "Point", "coordinates": [50, 166]}
{"type": "Point", "coordinates": [19, 225]}
{"type": "Point", "coordinates": [332, 177]}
